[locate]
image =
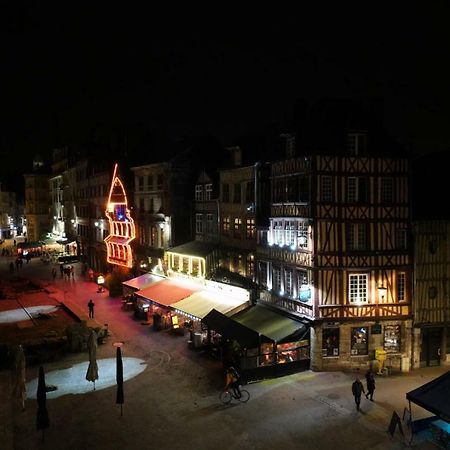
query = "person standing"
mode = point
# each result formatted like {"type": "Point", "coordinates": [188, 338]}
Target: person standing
{"type": "Point", "coordinates": [61, 269]}
{"type": "Point", "coordinates": [91, 309]}
{"type": "Point", "coordinates": [370, 382]}
{"type": "Point", "coordinates": [357, 390]}
{"type": "Point", "coordinates": [54, 273]}
{"type": "Point", "coordinates": [72, 272]}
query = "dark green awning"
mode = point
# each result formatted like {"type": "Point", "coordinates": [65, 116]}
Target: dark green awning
{"type": "Point", "coordinates": [271, 324]}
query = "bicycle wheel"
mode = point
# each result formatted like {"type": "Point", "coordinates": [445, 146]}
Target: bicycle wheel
{"type": "Point", "coordinates": [225, 397]}
{"type": "Point", "coordinates": [245, 396]}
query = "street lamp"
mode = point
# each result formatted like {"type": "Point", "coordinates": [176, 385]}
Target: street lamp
{"type": "Point", "coordinates": [382, 292]}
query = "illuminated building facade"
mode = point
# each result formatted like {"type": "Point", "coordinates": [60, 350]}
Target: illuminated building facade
{"type": "Point", "coordinates": [337, 251]}
{"type": "Point", "coordinates": [121, 225]}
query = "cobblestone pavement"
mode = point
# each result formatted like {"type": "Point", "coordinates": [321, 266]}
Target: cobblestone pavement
{"type": "Point", "coordinates": [174, 402]}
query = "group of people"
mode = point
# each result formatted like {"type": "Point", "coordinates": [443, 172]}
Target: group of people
{"type": "Point", "coordinates": [358, 388]}
{"type": "Point", "coordinates": [66, 271]}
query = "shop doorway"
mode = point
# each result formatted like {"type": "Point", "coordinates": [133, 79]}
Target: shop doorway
{"type": "Point", "coordinates": [431, 344]}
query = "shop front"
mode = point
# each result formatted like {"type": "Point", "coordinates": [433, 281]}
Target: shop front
{"type": "Point", "coordinates": [195, 307]}
{"type": "Point", "coordinates": [159, 296]}
{"type": "Point", "coordinates": [265, 343]}
{"type": "Point", "coordinates": [353, 344]}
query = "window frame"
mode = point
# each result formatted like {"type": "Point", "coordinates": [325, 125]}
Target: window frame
{"type": "Point", "coordinates": [359, 287]}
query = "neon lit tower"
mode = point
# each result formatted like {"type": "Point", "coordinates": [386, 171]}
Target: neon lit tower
{"type": "Point", "coordinates": [121, 225]}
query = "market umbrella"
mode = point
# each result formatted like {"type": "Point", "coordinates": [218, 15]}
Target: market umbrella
{"type": "Point", "coordinates": [92, 371]}
{"type": "Point", "coordinates": [42, 413]}
{"type": "Point", "coordinates": [20, 390]}
{"type": "Point", "coordinates": [119, 379]}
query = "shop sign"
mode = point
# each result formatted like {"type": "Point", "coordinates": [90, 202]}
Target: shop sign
{"type": "Point", "coordinates": [375, 329]}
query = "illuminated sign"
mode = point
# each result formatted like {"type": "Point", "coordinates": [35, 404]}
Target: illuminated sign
{"type": "Point", "coordinates": [121, 225]}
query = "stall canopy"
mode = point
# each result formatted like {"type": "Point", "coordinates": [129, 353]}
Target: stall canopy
{"type": "Point", "coordinates": [166, 292]}
{"type": "Point", "coordinates": [274, 326]}
{"type": "Point", "coordinates": [230, 329]}
{"type": "Point", "coordinates": [434, 396]}
{"type": "Point", "coordinates": [201, 303]}
{"type": "Point", "coordinates": [142, 281]}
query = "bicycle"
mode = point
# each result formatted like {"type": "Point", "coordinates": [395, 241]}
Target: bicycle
{"type": "Point", "coordinates": [228, 395]}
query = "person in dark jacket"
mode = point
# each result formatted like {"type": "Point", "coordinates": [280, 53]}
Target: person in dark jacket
{"type": "Point", "coordinates": [357, 390]}
{"type": "Point", "coordinates": [91, 309]}
{"type": "Point", "coordinates": [370, 382]}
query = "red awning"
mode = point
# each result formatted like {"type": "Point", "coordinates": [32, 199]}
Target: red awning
{"type": "Point", "coordinates": [166, 292]}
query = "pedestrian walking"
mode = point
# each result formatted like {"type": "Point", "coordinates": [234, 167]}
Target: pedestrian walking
{"type": "Point", "coordinates": [91, 274]}
{"type": "Point", "coordinates": [54, 273]}
{"type": "Point", "coordinates": [370, 382]}
{"type": "Point", "coordinates": [91, 305]}
{"type": "Point", "coordinates": [357, 390]}
{"type": "Point", "coordinates": [61, 269]}
{"type": "Point", "coordinates": [72, 272]}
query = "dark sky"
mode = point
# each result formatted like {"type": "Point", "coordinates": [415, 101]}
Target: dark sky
{"type": "Point", "coordinates": [226, 72]}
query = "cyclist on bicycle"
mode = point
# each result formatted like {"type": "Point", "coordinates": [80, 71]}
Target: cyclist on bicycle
{"type": "Point", "coordinates": [233, 379]}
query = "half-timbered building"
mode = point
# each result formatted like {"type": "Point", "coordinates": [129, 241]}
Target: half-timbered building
{"type": "Point", "coordinates": [337, 252]}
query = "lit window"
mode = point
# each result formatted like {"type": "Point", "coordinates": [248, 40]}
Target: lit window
{"type": "Point", "coordinates": [302, 234]}
{"type": "Point", "coordinates": [357, 292]}
{"type": "Point", "coordinates": [303, 288]}
{"type": "Point", "coordinates": [278, 228]}
{"type": "Point", "coordinates": [392, 338]}
{"type": "Point", "coordinates": [250, 230]}
{"type": "Point", "coordinates": [237, 226]}
{"type": "Point", "coordinates": [359, 341]}
{"type": "Point", "coordinates": [289, 230]}
{"type": "Point", "coordinates": [330, 341]}
{"type": "Point", "coordinates": [226, 225]}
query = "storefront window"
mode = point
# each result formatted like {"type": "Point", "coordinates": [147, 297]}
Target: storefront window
{"type": "Point", "coordinates": [330, 341]}
{"type": "Point", "coordinates": [392, 338]}
{"type": "Point", "coordinates": [267, 357]}
{"type": "Point", "coordinates": [293, 351]}
{"type": "Point", "coordinates": [359, 338]}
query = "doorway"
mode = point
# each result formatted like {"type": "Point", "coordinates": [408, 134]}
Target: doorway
{"type": "Point", "coordinates": [431, 345]}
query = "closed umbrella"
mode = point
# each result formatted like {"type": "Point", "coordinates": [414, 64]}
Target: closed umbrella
{"type": "Point", "coordinates": [119, 379]}
{"type": "Point", "coordinates": [42, 413]}
{"type": "Point", "coordinates": [20, 390]}
{"type": "Point", "coordinates": [92, 371]}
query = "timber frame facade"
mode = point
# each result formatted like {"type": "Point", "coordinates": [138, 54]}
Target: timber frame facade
{"type": "Point", "coordinates": [431, 337]}
{"type": "Point", "coordinates": [338, 252]}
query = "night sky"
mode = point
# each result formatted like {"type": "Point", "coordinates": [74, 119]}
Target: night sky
{"type": "Point", "coordinates": [71, 75]}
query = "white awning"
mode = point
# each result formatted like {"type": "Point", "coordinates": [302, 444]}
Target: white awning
{"type": "Point", "coordinates": [199, 304]}
{"type": "Point", "coordinates": [142, 281]}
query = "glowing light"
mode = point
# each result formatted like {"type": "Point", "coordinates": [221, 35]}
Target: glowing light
{"type": "Point", "coordinates": [121, 225]}
{"type": "Point", "coordinates": [100, 279]}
